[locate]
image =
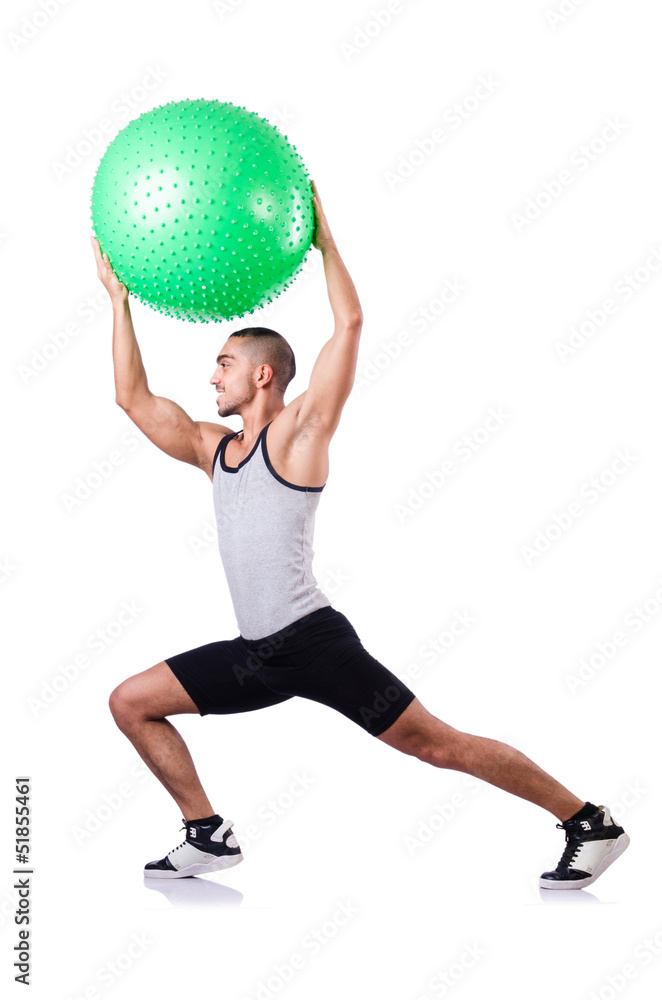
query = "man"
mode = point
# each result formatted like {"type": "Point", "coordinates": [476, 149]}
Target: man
{"type": "Point", "coordinates": [267, 481]}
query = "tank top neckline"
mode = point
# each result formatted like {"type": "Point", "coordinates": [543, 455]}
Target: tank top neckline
{"type": "Point", "coordinates": [247, 458]}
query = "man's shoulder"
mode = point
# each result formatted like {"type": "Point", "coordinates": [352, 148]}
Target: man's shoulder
{"type": "Point", "coordinates": [213, 430]}
{"type": "Point", "coordinates": [212, 435]}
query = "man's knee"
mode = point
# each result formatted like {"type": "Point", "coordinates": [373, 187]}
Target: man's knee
{"type": "Point", "coordinates": [422, 735]}
{"type": "Point", "coordinates": [123, 704]}
{"type": "Point", "coordinates": [438, 749]}
{"type": "Point", "coordinates": [151, 695]}
{"type": "Point", "coordinates": [441, 752]}
{"type": "Point", "coordinates": [117, 702]}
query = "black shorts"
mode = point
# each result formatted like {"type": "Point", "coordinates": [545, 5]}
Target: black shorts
{"type": "Point", "coordinates": [320, 657]}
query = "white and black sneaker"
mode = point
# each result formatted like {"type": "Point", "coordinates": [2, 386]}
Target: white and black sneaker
{"type": "Point", "coordinates": [209, 846]}
{"type": "Point", "coordinates": [593, 842]}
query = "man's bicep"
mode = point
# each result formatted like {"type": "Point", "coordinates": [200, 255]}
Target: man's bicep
{"type": "Point", "coordinates": [170, 428]}
{"type": "Point", "coordinates": [332, 377]}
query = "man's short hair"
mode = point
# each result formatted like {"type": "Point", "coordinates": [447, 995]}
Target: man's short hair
{"type": "Point", "coordinates": [270, 348]}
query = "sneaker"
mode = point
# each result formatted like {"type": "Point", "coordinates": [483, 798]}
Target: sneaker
{"type": "Point", "coordinates": [208, 847]}
{"type": "Point", "coordinates": [592, 845]}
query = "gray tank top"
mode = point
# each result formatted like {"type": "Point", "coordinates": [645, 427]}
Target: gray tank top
{"type": "Point", "coordinates": [265, 538]}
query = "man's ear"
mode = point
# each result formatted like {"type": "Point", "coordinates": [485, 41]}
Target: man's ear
{"type": "Point", "coordinates": [266, 374]}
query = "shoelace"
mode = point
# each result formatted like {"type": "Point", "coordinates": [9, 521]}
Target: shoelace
{"type": "Point", "coordinates": [183, 843]}
{"type": "Point", "coordinates": [572, 844]}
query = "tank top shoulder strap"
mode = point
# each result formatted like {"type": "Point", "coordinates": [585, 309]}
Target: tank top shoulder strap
{"type": "Point", "coordinates": [220, 449]}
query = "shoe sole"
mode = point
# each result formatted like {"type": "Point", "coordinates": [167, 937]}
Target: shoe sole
{"type": "Point", "coordinates": [620, 845]}
{"type": "Point", "coordinates": [220, 863]}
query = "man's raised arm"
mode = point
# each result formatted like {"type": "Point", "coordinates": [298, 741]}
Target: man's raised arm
{"type": "Point", "coordinates": [333, 373]}
{"type": "Point", "coordinates": [163, 421]}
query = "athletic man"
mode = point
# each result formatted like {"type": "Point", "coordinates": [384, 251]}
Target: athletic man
{"type": "Point", "coordinates": [267, 480]}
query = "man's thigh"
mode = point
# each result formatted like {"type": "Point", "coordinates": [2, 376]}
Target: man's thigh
{"type": "Point", "coordinates": [330, 665]}
{"type": "Point", "coordinates": [221, 678]}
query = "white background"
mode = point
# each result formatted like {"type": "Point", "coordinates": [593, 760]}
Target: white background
{"type": "Point", "coordinates": [357, 98]}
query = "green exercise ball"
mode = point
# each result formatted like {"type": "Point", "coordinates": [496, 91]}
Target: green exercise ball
{"type": "Point", "coordinates": [204, 209]}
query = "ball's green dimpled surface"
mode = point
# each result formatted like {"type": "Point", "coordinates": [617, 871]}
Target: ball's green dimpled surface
{"type": "Point", "coordinates": [204, 209]}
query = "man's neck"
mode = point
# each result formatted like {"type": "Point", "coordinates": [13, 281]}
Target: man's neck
{"type": "Point", "coordinates": [253, 425]}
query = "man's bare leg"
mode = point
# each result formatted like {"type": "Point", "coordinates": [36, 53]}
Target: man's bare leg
{"type": "Point", "coordinates": [139, 706]}
{"type": "Point", "coordinates": [422, 735]}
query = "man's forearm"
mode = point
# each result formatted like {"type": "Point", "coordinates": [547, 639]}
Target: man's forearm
{"type": "Point", "coordinates": [343, 297]}
{"type": "Point", "coordinates": [130, 376]}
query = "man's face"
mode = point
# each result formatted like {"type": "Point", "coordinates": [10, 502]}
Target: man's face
{"type": "Point", "coordinates": [232, 379]}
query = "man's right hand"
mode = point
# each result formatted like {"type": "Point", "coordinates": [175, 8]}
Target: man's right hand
{"type": "Point", "coordinates": [322, 238]}
{"type": "Point", "coordinates": [118, 292]}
